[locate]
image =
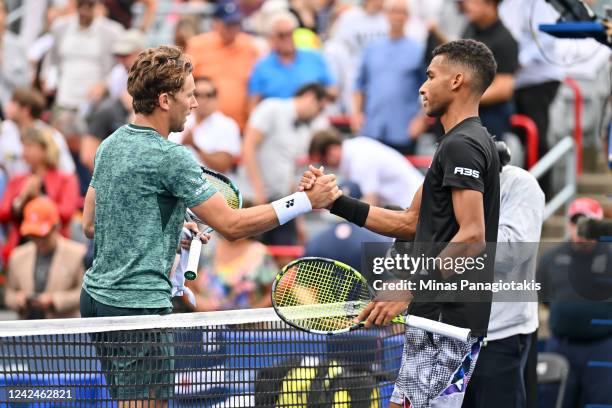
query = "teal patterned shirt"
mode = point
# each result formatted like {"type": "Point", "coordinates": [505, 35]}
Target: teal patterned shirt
{"type": "Point", "coordinates": [144, 183]}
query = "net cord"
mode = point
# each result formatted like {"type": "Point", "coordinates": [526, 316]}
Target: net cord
{"type": "Point", "coordinates": [14, 328]}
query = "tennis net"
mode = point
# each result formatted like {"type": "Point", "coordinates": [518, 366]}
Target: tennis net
{"type": "Point", "coordinates": [246, 358]}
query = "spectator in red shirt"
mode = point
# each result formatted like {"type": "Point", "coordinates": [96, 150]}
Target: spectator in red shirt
{"type": "Point", "coordinates": [42, 155]}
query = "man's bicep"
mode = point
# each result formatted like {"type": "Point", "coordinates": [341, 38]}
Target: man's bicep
{"type": "Point", "coordinates": [415, 206]}
{"type": "Point", "coordinates": [468, 207]}
{"type": "Point", "coordinates": [464, 165]}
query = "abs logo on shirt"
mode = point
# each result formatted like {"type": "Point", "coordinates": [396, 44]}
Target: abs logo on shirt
{"type": "Point", "coordinates": [467, 172]}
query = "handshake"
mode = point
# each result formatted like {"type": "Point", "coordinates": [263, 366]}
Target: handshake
{"type": "Point", "coordinates": [321, 189]}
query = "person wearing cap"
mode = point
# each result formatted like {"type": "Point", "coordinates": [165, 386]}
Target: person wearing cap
{"type": "Point", "coordinates": [125, 49]}
{"type": "Point", "coordinates": [45, 274]}
{"type": "Point", "coordinates": [575, 280]}
{"type": "Point", "coordinates": [41, 154]}
{"type": "Point", "coordinates": [226, 55]}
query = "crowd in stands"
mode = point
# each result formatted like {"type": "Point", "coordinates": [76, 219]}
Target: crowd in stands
{"type": "Point", "coordinates": [270, 76]}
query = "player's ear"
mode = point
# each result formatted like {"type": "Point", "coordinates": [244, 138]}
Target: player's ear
{"type": "Point", "coordinates": [457, 81]}
{"type": "Point", "coordinates": [164, 101]}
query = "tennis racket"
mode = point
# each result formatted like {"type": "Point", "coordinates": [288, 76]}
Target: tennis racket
{"type": "Point", "coordinates": [323, 296]}
{"type": "Point", "coordinates": [233, 198]}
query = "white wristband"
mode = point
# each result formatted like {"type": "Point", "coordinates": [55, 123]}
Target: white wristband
{"type": "Point", "coordinates": [287, 208]}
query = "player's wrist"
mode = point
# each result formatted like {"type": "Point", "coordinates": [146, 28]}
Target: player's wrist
{"type": "Point", "coordinates": [350, 209]}
{"type": "Point", "coordinates": [291, 206]}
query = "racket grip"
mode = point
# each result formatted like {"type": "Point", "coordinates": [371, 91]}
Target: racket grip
{"type": "Point", "coordinates": [458, 333]}
{"type": "Point", "coordinates": [194, 258]}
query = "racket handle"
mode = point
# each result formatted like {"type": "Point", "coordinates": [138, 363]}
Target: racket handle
{"type": "Point", "coordinates": [433, 326]}
{"type": "Point", "coordinates": [194, 258]}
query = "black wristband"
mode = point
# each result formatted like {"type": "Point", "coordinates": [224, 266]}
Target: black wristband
{"type": "Point", "coordinates": [351, 210]}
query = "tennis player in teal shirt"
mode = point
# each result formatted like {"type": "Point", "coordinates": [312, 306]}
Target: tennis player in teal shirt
{"type": "Point", "coordinates": [134, 209]}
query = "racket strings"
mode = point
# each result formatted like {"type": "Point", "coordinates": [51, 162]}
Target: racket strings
{"type": "Point", "coordinates": [335, 296]}
{"type": "Point", "coordinates": [226, 188]}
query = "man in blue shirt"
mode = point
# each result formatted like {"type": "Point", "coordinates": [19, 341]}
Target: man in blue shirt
{"type": "Point", "coordinates": [386, 104]}
{"type": "Point", "coordinates": [285, 69]}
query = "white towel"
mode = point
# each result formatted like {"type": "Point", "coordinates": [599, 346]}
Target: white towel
{"type": "Point", "coordinates": [178, 277]}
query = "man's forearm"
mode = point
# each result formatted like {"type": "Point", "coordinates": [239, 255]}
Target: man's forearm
{"type": "Point", "coordinates": [395, 224]}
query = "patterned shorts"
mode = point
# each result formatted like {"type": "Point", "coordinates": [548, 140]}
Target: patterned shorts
{"type": "Point", "coordinates": [435, 370]}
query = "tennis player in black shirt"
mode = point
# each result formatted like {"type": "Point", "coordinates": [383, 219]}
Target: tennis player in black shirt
{"type": "Point", "coordinates": [457, 203]}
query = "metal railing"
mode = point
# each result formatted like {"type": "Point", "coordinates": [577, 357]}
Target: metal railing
{"type": "Point", "coordinates": [563, 150]}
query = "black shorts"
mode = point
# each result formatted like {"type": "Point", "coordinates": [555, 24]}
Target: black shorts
{"type": "Point", "coordinates": [137, 364]}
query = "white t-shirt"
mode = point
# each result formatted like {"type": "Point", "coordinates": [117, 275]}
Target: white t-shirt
{"type": "Point", "coordinates": [284, 141]}
{"type": "Point", "coordinates": [216, 133]}
{"type": "Point", "coordinates": [11, 150]}
{"type": "Point", "coordinates": [381, 170]}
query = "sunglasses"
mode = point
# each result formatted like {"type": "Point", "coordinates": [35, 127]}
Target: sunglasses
{"type": "Point", "coordinates": [283, 34]}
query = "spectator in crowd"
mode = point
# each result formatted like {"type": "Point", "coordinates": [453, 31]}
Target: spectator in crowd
{"type": "Point", "coordinates": [384, 176]}
{"type": "Point", "coordinates": [41, 154]}
{"type": "Point", "coordinates": [107, 117]}
{"type": "Point", "coordinates": [115, 110]}
{"type": "Point", "coordinates": [227, 56]}
{"type": "Point", "coordinates": [186, 28]}
{"type": "Point", "coordinates": [213, 137]}
{"type": "Point", "coordinates": [126, 50]}
{"type": "Point", "coordinates": [500, 378]}
{"type": "Point", "coordinates": [121, 12]}
{"type": "Point", "coordinates": [387, 104]}
{"type": "Point", "coordinates": [74, 128]}
{"type": "Point", "coordinates": [343, 240]}
{"type": "Point", "coordinates": [24, 111]}
{"type": "Point", "coordinates": [327, 11]}
{"type": "Point", "coordinates": [285, 69]}
{"type": "Point", "coordinates": [485, 26]}
{"type": "Point", "coordinates": [14, 66]}
{"type": "Point", "coordinates": [44, 275]}
{"type": "Point", "coordinates": [82, 54]}
{"type": "Point", "coordinates": [537, 81]}
{"type": "Point", "coordinates": [278, 133]}
{"type": "Point", "coordinates": [354, 30]}
{"type": "Point", "coordinates": [236, 275]}
{"type": "Point", "coordinates": [573, 276]}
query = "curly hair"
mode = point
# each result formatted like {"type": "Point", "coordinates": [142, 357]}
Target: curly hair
{"type": "Point", "coordinates": [472, 55]}
{"type": "Point", "coordinates": [155, 71]}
